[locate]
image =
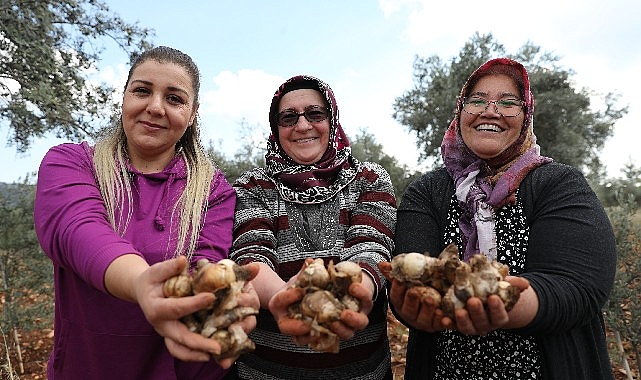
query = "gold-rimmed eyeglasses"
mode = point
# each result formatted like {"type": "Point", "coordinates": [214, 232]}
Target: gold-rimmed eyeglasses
{"type": "Point", "coordinates": [505, 107]}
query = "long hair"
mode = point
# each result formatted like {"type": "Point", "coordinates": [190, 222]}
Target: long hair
{"type": "Point", "coordinates": [110, 162]}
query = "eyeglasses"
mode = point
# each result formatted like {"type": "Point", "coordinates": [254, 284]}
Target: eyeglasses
{"type": "Point", "coordinates": [505, 107]}
{"type": "Point", "coordinates": [313, 114]}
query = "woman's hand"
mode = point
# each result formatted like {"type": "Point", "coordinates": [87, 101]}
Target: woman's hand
{"type": "Point", "coordinates": [164, 313]}
{"type": "Point", "coordinates": [279, 305]}
{"type": "Point", "coordinates": [351, 321]}
{"type": "Point", "coordinates": [419, 311]}
{"type": "Point", "coordinates": [415, 310]}
{"type": "Point", "coordinates": [475, 319]}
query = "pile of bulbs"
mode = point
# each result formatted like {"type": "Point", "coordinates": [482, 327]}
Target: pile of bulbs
{"type": "Point", "coordinates": [225, 279]}
{"type": "Point", "coordinates": [326, 296]}
{"type": "Point", "coordinates": [450, 282]}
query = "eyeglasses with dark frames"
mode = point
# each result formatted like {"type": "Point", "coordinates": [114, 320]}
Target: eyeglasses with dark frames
{"type": "Point", "coordinates": [313, 114]}
{"type": "Point", "coordinates": [505, 107]}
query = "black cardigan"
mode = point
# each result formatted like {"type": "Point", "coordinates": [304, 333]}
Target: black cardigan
{"type": "Point", "coordinates": [570, 264]}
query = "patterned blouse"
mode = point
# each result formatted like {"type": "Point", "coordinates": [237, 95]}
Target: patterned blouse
{"type": "Point", "coordinates": [500, 354]}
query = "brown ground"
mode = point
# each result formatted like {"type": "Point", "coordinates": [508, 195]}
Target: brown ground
{"type": "Point", "coordinates": [36, 346]}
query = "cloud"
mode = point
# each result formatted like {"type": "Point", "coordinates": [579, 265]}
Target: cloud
{"type": "Point", "coordinates": [389, 7]}
{"type": "Point", "coordinates": [245, 94]}
{"type": "Point", "coordinates": [115, 76]}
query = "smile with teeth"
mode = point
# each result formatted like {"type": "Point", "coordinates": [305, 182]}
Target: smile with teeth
{"type": "Point", "coordinates": [488, 128]}
{"type": "Point", "coordinates": [308, 139]}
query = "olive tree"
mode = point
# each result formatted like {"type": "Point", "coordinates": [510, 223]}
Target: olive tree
{"type": "Point", "coordinates": [47, 49]}
{"type": "Point", "coordinates": [566, 125]}
{"type": "Point", "coordinates": [366, 148]}
{"type": "Point", "coordinates": [623, 310]}
{"type": "Point", "coordinates": [26, 274]}
{"type": "Point", "coordinates": [249, 155]}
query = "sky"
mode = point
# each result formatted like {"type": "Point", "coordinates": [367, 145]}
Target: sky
{"type": "Point", "coordinates": [365, 50]}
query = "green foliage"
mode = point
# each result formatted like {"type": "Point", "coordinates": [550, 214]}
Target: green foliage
{"type": "Point", "coordinates": [566, 127]}
{"type": "Point", "coordinates": [46, 50]}
{"type": "Point", "coordinates": [628, 187]}
{"type": "Point", "coordinates": [26, 271]}
{"type": "Point", "coordinates": [251, 153]}
{"type": "Point", "coordinates": [365, 148]}
{"type": "Point", "coordinates": [623, 310]}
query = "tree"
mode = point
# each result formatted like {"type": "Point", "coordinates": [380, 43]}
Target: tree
{"type": "Point", "coordinates": [251, 153]}
{"type": "Point", "coordinates": [365, 148]}
{"type": "Point", "coordinates": [26, 273]}
{"type": "Point", "coordinates": [622, 312]}
{"type": "Point", "coordinates": [46, 50]}
{"type": "Point", "coordinates": [24, 269]}
{"type": "Point", "coordinates": [627, 187]}
{"type": "Point", "coordinates": [566, 127]}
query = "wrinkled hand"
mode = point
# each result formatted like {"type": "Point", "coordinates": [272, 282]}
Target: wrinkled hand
{"type": "Point", "coordinates": [278, 306]}
{"type": "Point", "coordinates": [345, 328]}
{"type": "Point", "coordinates": [164, 313]}
{"type": "Point", "coordinates": [475, 319]}
{"type": "Point", "coordinates": [248, 297]}
{"type": "Point", "coordinates": [421, 313]}
{"type": "Point", "coordinates": [351, 321]}
{"type": "Point", "coordinates": [280, 302]}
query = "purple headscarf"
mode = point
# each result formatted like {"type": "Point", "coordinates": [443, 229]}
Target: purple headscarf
{"type": "Point", "coordinates": [320, 181]}
{"type": "Point", "coordinates": [483, 186]}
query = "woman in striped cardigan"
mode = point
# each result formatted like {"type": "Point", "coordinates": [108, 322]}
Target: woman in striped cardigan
{"type": "Point", "coordinates": [314, 199]}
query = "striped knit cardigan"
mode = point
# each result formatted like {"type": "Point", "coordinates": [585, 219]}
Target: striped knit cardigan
{"type": "Point", "coordinates": [355, 225]}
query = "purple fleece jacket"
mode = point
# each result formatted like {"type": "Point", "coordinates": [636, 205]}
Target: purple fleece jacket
{"type": "Point", "coordinates": [98, 336]}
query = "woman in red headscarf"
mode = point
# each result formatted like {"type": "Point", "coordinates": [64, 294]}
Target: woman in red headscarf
{"type": "Point", "coordinates": [498, 196]}
{"type": "Point", "coordinates": [314, 199]}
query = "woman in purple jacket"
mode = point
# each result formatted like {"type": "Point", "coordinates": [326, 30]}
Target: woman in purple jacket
{"type": "Point", "coordinates": [119, 218]}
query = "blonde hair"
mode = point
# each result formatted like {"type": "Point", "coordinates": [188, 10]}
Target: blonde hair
{"type": "Point", "coordinates": [114, 180]}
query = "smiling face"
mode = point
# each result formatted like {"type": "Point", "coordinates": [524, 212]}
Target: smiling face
{"type": "Point", "coordinates": [489, 133]}
{"type": "Point", "coordinates": [304, 142]}
{"type": "Point", "coordinates": [158, 105]}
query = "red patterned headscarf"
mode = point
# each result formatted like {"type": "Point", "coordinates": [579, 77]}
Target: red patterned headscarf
{"type": "Point", "coordinates": [483, 186]}
{"type": "Point", "coordinates": [320, 181]}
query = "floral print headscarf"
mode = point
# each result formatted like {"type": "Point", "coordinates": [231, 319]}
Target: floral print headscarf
{"type": "Point", "coordinates": [322, 180]}
{"type": "Point", "coordinates": [483, 186]}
